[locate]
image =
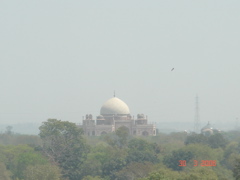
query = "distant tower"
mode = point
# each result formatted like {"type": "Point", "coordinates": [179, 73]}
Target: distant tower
{"type": "Point", "coordinates": [196, 118]}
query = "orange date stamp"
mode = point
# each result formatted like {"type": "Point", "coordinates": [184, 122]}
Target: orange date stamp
{"type": "Point", "coordinates": [201, 163]}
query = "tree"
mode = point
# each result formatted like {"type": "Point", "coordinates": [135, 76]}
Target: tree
{"type": "Point", "coordinates": [92, 178]}
{"type": "Point", "coordinates": [91, 166]}
{"type": "Point", "coordinates": [135, 170]}
{"type": "Point", "coordinates": [236, 170]}
{"type": "Point", "coordinates": [198, 173]}
{"type": "Point", "coordinates": [26, 159]}
{"type": "Point", "coordinates": [119, 138]}
{"type": "Point", "coordinates": [115, 160]}
{"type": "Point", "coordinates": [214, 141]}
{"type": "Point", "coordinates": [172, 161]}
{"type": "Point", "coordinates": [65, 146]}
{"type": "Point", "coordinates": [140, 150]}
{"type": "Point", "coordinates": [122, 133]}
{"type": "Point", "coordinates": [231, 153]}
{"type": "Point", "coordinates": [18, 158]}
{"type": "Point", "coordinates": [4, 174]}
{"type": "Point", "coordinates": [217, 140]}
{"type": "Point", "coordinates": [163, 174]}
{"type": "Point", "coordinates": [232, 135]}
{"type": "Point", "coordinates": [42, 172]}
{"type": "Point", "coordinates": [196, 138]}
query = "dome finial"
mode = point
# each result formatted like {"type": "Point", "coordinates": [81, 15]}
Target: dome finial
{"type": "Point", "coordinates": [114, 93]}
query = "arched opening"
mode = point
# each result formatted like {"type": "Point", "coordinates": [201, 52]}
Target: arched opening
{"type": "Point", "coordinates": [145, 133]}
{"type": "Point", "coordinates": [103, 133]}
{"type": "Point", "coordinates": [93, 133]}
{"type": "Point", "coordinates": [134, 132]}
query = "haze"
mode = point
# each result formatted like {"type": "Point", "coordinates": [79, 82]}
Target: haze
{"type": "Point", "coordinates": [64, 59]}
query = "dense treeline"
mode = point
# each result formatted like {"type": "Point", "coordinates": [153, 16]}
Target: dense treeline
{"type": "Point", "coordinates": [61, 152]}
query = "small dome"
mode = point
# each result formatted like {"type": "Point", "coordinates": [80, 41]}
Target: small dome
{"type": "Point", "coordinates": [100, 117]}
{"type": "Point", "coordinates": [114, 106]}
{"type": "Point", "coordinates": [208, 126]}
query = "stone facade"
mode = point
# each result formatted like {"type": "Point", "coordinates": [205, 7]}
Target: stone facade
{"type": "Point", "coordinates": [114, 114]}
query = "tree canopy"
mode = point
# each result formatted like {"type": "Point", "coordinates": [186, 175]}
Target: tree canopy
{"type": "Point", "coordinates": [64, 145]}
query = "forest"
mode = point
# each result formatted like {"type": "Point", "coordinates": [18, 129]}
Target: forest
{"type": "Point", "coordinates": [62, 152]}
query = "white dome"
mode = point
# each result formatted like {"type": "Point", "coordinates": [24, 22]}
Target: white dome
{"type": "Point", "coordinates": [114, 106]}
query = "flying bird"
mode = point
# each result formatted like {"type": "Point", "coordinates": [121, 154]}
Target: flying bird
{"type": "Point", "coordinates": [172, 69]}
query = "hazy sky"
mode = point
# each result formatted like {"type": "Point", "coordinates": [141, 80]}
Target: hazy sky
{"type": "Point", "coordinates": [63, 59]}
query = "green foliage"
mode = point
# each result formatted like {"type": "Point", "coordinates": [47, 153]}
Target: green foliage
{"type": "Point", "coordinates": [115, 156]}
{"type": "Point", "coordinates": [192, 152]}
{"type": "Point", "coordinates": [204, 152]}
{"type": "Point", "coordinates": [223, 173]}
{"type": "Point", "coordinates": [42, 172]}
{"type": "Point", "coordinates": [232, 147]}
{"type": "Point", "coordinates": [123, 134]}
{"type": "Point", "coordinates": [173, 138]}
{"type": "Point", "coordinates": [163, 174]}
{"type": "Point", "coordinates": [64, 145]}
{"type": "Point", "coordinates": [196, 139]}
{"type": "Point", "coordinates": [214, 141]}
{"type": "Point", "coordinates": [92, 165]}
{"type": "Point", "coordinates": [105, 161]}
{"type": "Point", "coordinates": [18, 158]}
{"type": "Point", "coordinates": [26, 159]}
{"type": "Point", "coordinates": [236, 170]}
{"type": "Point", "coordinates": [172, 161]}
{"type": "Point", "coordinates": [217, 141]}
{"type": "Point", "coordinates": [92, 178]}
{"type": "Point", "coordinates": [231, 153]}
{"type": "Point", "coordinates": [135, 170]}
{"type": "Point", "coordinates": [232, 135]}
{"type": "Point", "coordinates": [231, 160]}
{"type": "Point", "coordinates": [4, 173]}
{"type": "Point", "coordinates": [198, 173]}
{"type": "Point", "coordinates": [119, 138]}
{"type": "Point", "coordinates": [140, 151]}
{"type": "Point", "coordinates": [115, 161]}
{"type": "Point", "coordinates": [17, 139]}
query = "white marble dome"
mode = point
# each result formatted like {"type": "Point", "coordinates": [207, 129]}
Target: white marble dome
{"type": "Point", "coordinates": [114, 106]}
